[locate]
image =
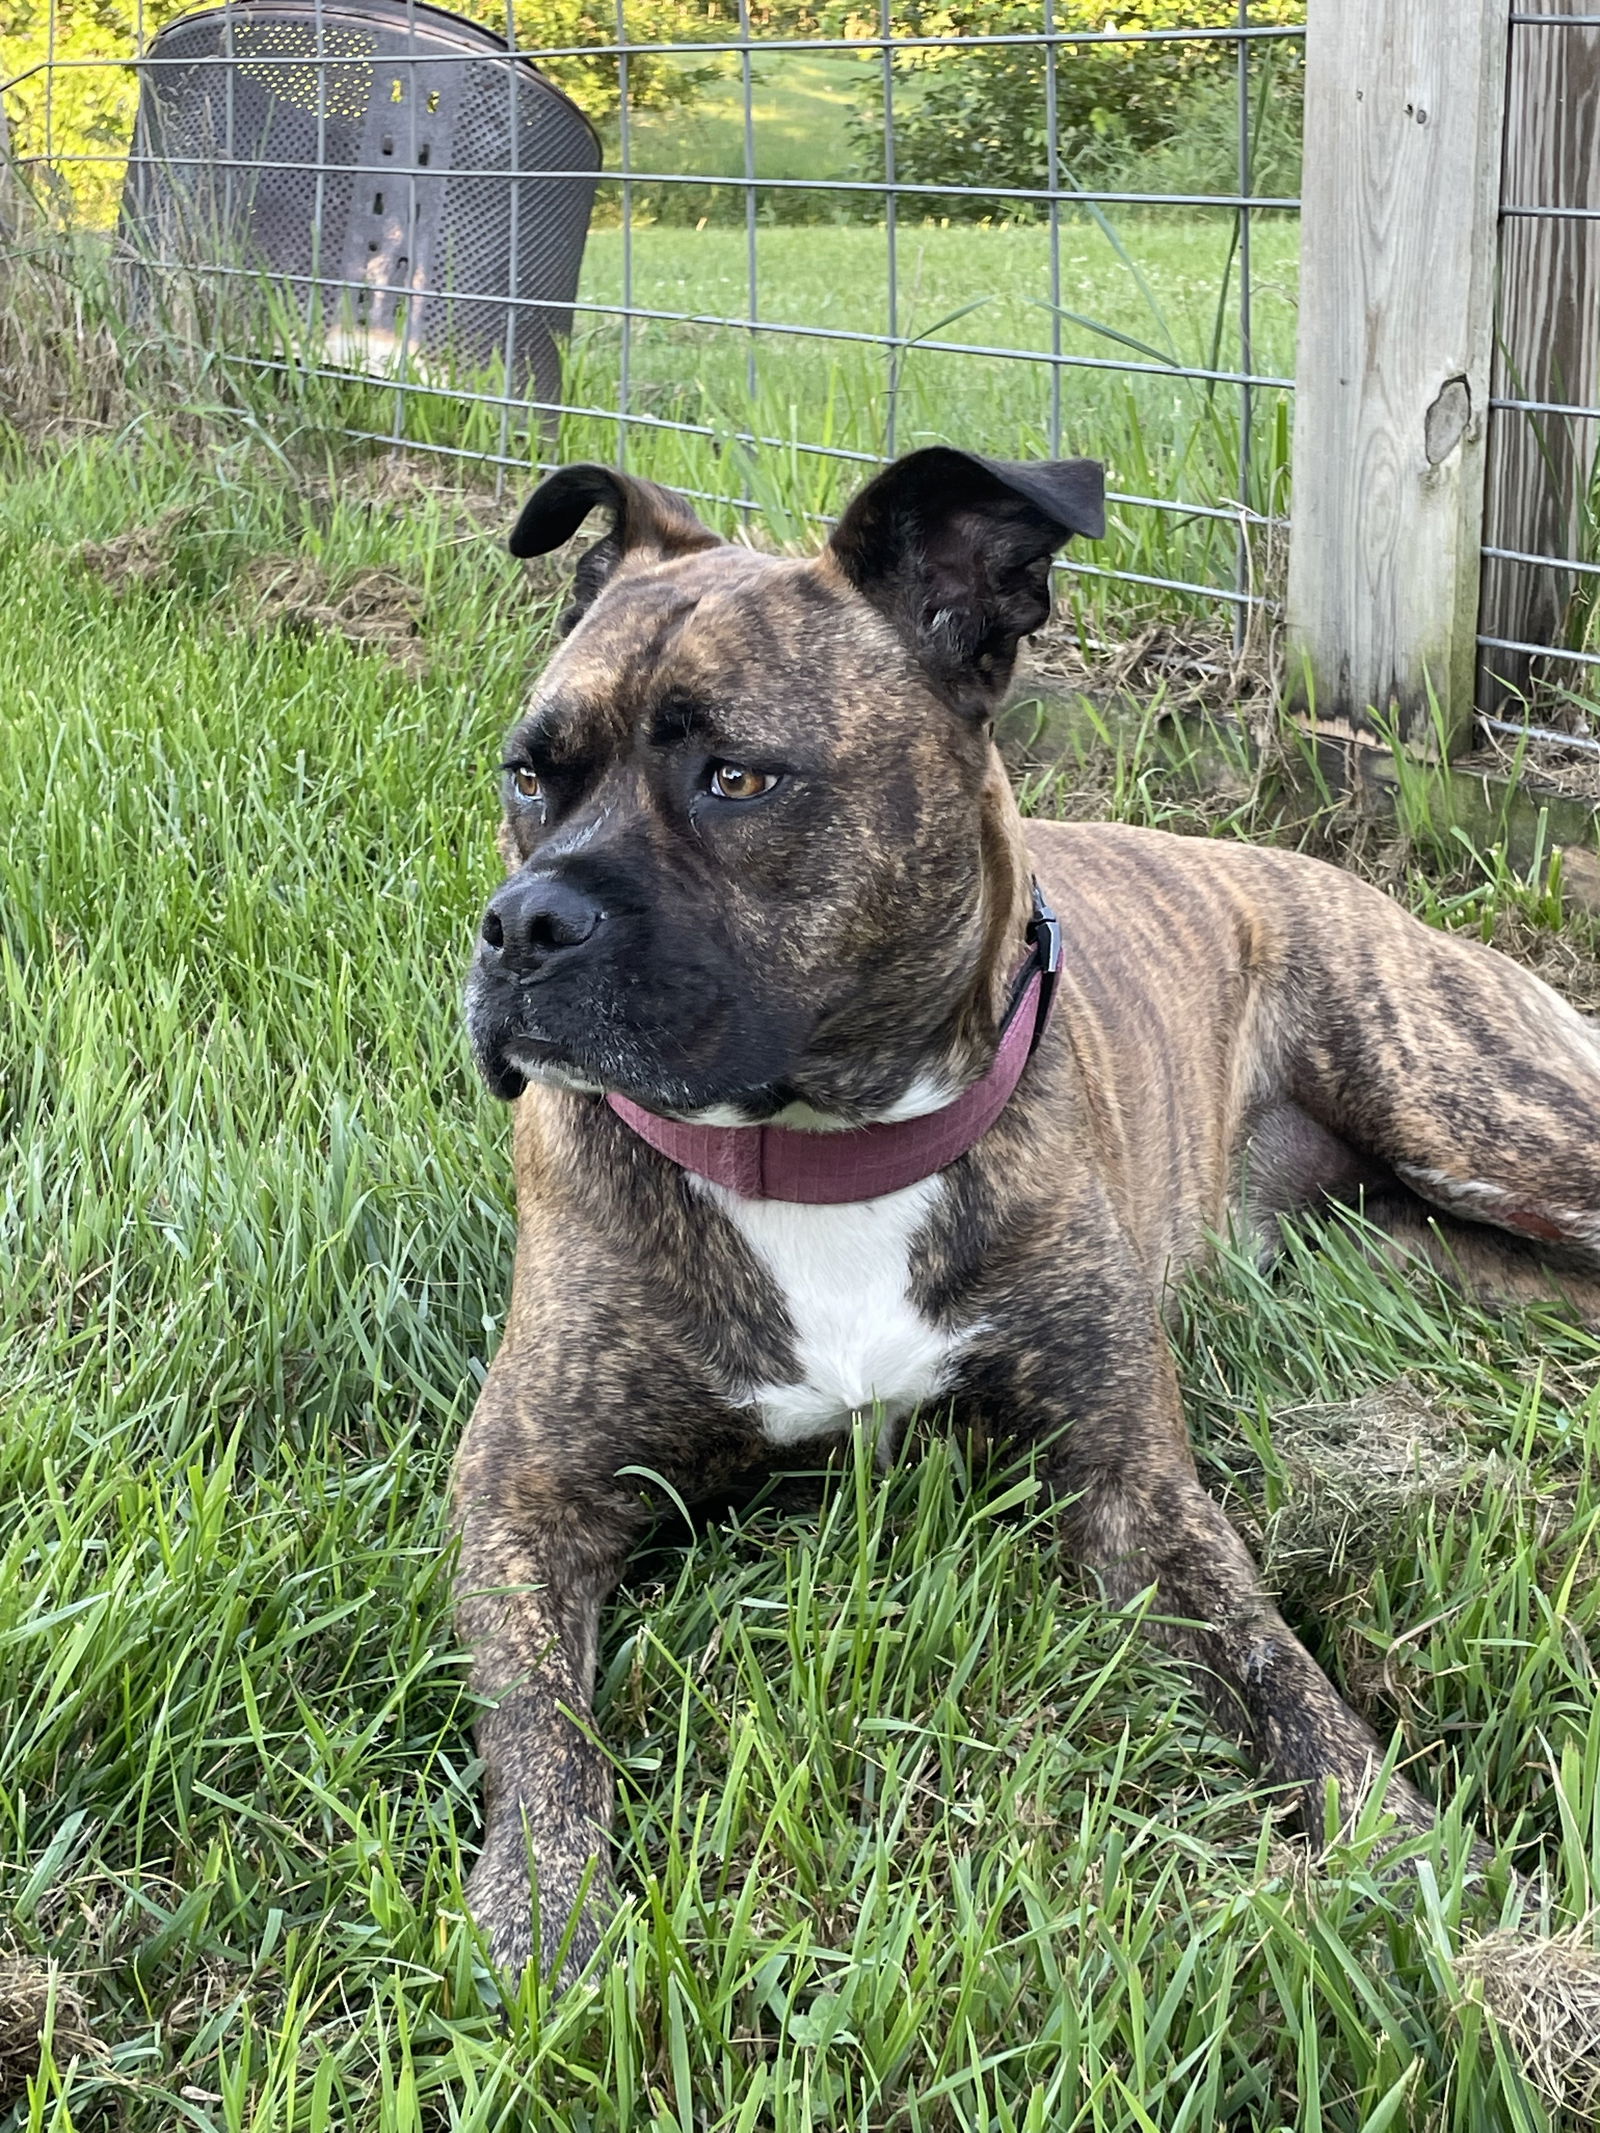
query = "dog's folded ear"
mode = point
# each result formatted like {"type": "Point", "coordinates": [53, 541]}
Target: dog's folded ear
{"type": "Point", "coordinates": [644, 519]}
{"type": "Point", "coordinates": [955, 551]}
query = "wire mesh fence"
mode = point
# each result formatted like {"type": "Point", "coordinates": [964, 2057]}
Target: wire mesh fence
{"type": "Point", "coordinates": [754, 247]}
{"type": "Point", "coordinates": [818, 239]}
{"type": "Point", "coordinates": [1541, 552]}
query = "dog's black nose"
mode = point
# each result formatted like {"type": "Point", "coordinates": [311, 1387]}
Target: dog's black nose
{"type": "Point", "coordinates": [535, 917]}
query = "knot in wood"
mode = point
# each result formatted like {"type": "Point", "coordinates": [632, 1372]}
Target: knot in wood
{"type": "Point", "coordinates": [1446, 421]}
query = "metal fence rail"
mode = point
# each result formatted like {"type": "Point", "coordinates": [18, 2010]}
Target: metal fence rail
{"type": "Point", "coordinates": [768, 367]}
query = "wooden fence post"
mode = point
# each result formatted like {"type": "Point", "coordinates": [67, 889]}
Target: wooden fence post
{"type": "Point", "coordinates": [1548, 343]}
{"type": "Point", "coordinates": [1404, 107]}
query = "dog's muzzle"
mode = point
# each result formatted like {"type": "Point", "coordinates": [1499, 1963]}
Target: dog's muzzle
{"type": "Point", "coordinates": [589, 979]}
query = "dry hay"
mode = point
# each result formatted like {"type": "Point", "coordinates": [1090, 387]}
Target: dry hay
{"type": "Point", "coordinates": [1357, 1474]}
{"type": "Point", "coordinates": [374, 607]}
{"type": "Point", "coordinates": [138, 556]}
{"type": "Point", "coordinates": [1545, 763]}
{"type": "Point", "coordinates": [1544, 1994]}
{"type": "Point", "coordinates": [1189, 669]}
{"type": "Point", "coordinates": [288, 590]}
{"type": "Point", "coordinates": [87, 345]}
{"type": "Point", "coordinates": [1564, 960]}
{"type": "Point", "coordinates": [35, 1997]}
{"type": "Point", "coordinates": [62, 365]}
{"type": "Point", "coordinates": [396, 485]}
{"type": "Point", "coordinates": [391, 486]}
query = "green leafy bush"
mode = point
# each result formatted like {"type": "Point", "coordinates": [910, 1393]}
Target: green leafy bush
{"type": "Point", "coordinates": [1145, 117]}
{"type": "Point", "coordinates": [1137, 116]}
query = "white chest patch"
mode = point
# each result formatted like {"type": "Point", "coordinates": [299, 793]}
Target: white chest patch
{"type": "Point", "coordinates": [844, 1276]}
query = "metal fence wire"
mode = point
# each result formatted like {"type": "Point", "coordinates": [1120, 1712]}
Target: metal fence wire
{"type": "Point", "coordinates": [1538, 639]}
{"type": "Point", "coordinates": [784, 283]}
{"type": "Point", "coordinates": [819, 239]}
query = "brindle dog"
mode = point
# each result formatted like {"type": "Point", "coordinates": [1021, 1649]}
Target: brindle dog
{"type": "Point", "coordinates": [764, 864]}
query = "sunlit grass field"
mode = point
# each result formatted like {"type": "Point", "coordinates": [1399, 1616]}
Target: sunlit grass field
{"type": "Point", "coordinates": [916, 1833]}
{"type": "Point", "coordinates": [754, 416]}
{"type": "Point", "coordinates": [1085, 338]}
{"type": "Point", "coordinates": [801, 107]}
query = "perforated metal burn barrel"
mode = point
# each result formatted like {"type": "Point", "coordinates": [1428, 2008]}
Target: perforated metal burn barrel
{"type": "Point", "coordinates": [394, 164]}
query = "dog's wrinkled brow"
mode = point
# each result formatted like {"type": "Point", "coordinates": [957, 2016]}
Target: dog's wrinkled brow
{"type": "Point", "coordinates": [554, 731]}
{"type": "Point", "coordinates": [682, 717]}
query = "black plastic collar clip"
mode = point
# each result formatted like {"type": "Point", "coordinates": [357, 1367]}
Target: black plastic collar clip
{"type": "Point", "coordinates": [1044, 933]}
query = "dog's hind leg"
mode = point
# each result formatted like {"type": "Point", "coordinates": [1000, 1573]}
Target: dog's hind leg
{"type": "Point", "coordinates": [1469, 1078]}
{"type": "Point", "coordinates": [1498, 1271]}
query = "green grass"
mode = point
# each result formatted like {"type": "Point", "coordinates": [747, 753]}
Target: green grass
{"type": "Point", "coordinates": [801, 103]}
{"type": "Point", "coordinates": [1162, 290]}
{"type": "Point", "coordinates": [730, 414]}
{"type": "Point", "coordinates": [917, 1834]}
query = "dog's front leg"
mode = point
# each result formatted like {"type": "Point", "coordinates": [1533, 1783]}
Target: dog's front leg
{"type": "Point", "coordinates": [1103, 1400]}
{"type": "Point", "coordinates": [1155, 1525]}
{"type": "Point", "coordinates": [537, 1561]}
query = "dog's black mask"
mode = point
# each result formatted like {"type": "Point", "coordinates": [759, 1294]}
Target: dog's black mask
{"type": "Point", "coordinates": [615, 991]}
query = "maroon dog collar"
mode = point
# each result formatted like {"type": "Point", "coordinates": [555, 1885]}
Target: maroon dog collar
{"type": "Point", "coordinates": [865, 1162]}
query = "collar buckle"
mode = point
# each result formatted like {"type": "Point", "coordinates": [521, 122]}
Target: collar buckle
{"type": "Point", "coordinates": [1044, 937]}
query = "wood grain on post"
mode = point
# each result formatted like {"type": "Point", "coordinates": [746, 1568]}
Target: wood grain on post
{"type": "Point", "coordinates": [1404, 104]}
{"type": "Point", "coordinates": [1547, 343]}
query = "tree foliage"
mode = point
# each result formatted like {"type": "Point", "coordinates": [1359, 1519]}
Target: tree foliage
{"type": "Point", "coordinates": [978, 116]}
{"type": "Point", "coordinates": [72, 121]}
{"type": "Point", "coordinates": [968, 116]}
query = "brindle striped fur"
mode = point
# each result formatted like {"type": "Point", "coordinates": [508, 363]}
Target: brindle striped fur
{"type": "Point", "coordinates": [1240, 1033]}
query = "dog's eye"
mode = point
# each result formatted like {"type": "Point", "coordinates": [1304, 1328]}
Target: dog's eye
{"type": "Point", "coordinates": [526, 783]}
{"type": "Point", "coordinates": [731, 781]}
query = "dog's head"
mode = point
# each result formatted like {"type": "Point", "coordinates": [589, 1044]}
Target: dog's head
{"type": "Point", "coordinates": [761, 852]}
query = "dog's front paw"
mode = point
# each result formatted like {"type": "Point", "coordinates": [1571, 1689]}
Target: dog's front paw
{"type": "Point", "coordinates": [555, 1915]}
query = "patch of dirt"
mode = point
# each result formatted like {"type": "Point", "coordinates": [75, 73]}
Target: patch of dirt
{"type": "Point", "coordinates": [31, 1991]}
{"type": "Point", "coordinates": [374, 607]}
{"type": "Point", "coordinates": [1544, 1993]}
